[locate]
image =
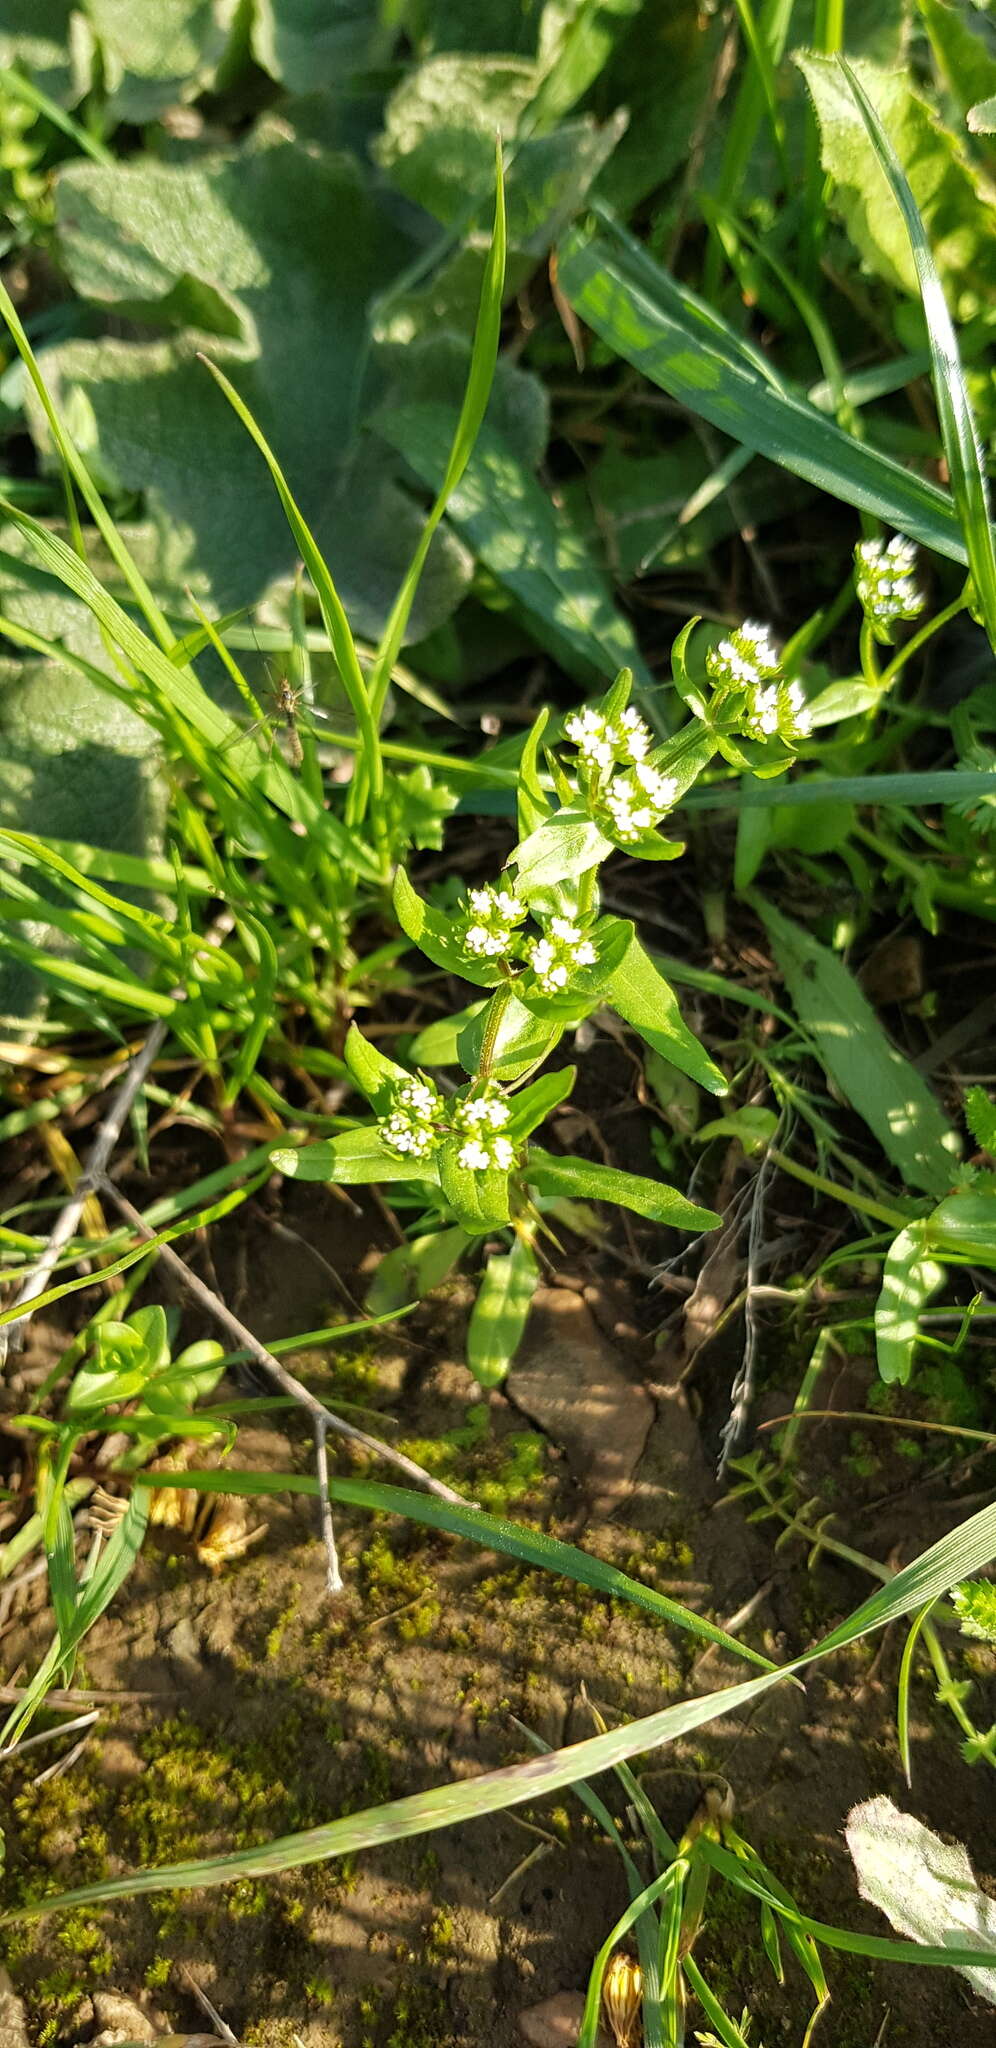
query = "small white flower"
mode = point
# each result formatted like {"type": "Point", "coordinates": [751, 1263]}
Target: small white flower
{"type": "Point", "coordinates": [603, 743]}
{"type": "Point", "coordinates": [556, 957]}
{"type": "Point", "coordinates": [492, 915]}
{"type": "Point", "coordinates": [886, 583]}
{"type": "Point", "coordinates": [488, 1110]}
{"type": "Point", "coordinates": [551, 972]}
{"type": "Point", "coordinates": [409, 1129]}
{"type": "Point", "coordinates": [593, 737]}
{"type": "Point", "coordinates": [797, 719]}
{"type": "Point", "coordinates": [478, 1154]}
{"type": "Point", "coordinates": [637, 799]}
{"type": "Point", "coordinates": [634, 737]}
{"type": "Point", "coordinates": [761, 715]}
{"type": "Point", "coordinates": [744, 660]}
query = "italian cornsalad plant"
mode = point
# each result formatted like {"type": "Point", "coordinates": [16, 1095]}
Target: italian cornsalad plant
{"type": "Point", "coordinates": [591, 785]}
{"type": "Point", "coordinates": [226, 891]}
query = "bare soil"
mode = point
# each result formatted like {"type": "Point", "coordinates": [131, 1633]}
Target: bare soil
{"type": "Point", "coordinates": [252, 1705]}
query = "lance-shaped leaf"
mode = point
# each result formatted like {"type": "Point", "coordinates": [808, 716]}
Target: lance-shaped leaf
{"type": "Point", "coordinates": [500, 1313]}
{"type": "Point", "coordinates": [587, 985]}
{"type": "Point", "coordinates": [480, 1198]}
{"type": "Point", "coordinates": [562, 848]}
{"type": "Point", "coordinates": [639, 992]}
{"type": "Point", "coordinates": [582, 1178]}
{"type": "Point", "coordinates": [374, 1074]}
{"type": "Point", "coordinates": [534, 1104]}
{"type": "Point", "coordinates": [351, 1159]}
{"type": "Point", "coordinates": [435, 936]}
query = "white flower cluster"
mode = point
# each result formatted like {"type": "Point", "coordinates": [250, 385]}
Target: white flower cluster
{"type": "Point", "coordinates": [482, 1118]}
{"type": "Point", "coordinates": [619, 776]}
{"type": "Point", "coordinates": [419, 1120]}
{"type": "Point", "coordinates": [637, 801]}
{"type": "Point", "coordinates": [556, 957]}
{"type": "Point", "coordinates": [777, 710]}
{"type": "Point", "coordinates": [886, 583]}
{"type": "Point", "coordinates": [409, 1128]}
{"type": "Point", "coordinates": [752, 694]}
{"type": "Point", "coordinates": [491, 917]}
{"type": "Point", "coordinates": [746, 659]}
{"type": "Point", "coordinates": [605, 743]}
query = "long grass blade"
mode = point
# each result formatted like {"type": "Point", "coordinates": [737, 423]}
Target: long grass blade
{"type": "Point", "coordinates": [333, 610]}
{"type": "Point", "coordinates": [957, 1556]}
{"type": "Point", "coordinates": [530, 1546]}
{"type": "Point", "coordinates": [958, 433]}
{"type": "Point", "coordinates": [483, 360]}
{"type": "Point", "coordinates": [681, 345]}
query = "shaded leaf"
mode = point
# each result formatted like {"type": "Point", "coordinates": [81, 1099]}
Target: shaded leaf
{"type": "Point", "coordinates": [35, 35]}
{"type": "Point", "coordinates": [414, 1269]}
{"type": "Point", "coordinates": [872, 1075]}
{"type": "Point", "coordinates": [308, 44]}
{"type": "Point", "coordinates": [528, 544]}
{"type": "Point", "coordinates": [153, 55]}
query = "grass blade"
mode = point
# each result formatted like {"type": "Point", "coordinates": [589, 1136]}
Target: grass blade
{"type": "Point", "coordinates": [333, 611]}
{"type": "Point", "coordinates": [529, 1546]}
{"type": "Point", "coordinates": [484, 357]}
{"type": "Point", "coordinates": [957, 1556]}
{"type": "Point", "coordinates": [947, 786]}
{"type": "Point", "coordinates": [961, 443]}
{"type": "Point", "coordinates": [683, 347]}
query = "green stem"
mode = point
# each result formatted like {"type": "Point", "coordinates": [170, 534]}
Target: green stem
{"type": "Point", "coordinates": [920, 638]}
{"type": "Point", "coordinates": [947, 1691]}
{"type": "Point", "coordinates": [894, 1218]}
{"type": "Point", "coordinates": [869, 658]}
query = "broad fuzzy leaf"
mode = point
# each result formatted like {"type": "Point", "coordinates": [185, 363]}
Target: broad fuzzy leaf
{"type": "Point", "coordinates": [923, 1885]}
{"type": "Point", "coordinates": [237, 244]}
{"type": "Point", "coordinates": [944, 186]}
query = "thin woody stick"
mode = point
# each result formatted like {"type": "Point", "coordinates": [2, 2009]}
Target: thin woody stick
{"type": "Point", "coordinates": [246, 1341]}
{"type": "Point", "coordinates": [333, 1575]}
{"type": "Point", "coordinates": [107, 1134]}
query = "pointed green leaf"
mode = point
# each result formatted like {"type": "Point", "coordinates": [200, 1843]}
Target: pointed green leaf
{"type": "Point", "coordinates": [351, 1159]}
{"type": "Point", "coordinates": [433, 934]}
{"type": "Point", "coordinates": [500, 1313]}
{"type": "Point", "coordinates": [873, 1076]}
{"type": "Point", "coordinates": [567, 1175]}
{"type": "Point", "coordinates": [639, 992]}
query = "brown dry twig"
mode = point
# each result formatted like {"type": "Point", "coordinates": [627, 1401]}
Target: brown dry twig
{"type": "Point", "coordinates": [286, 1381]}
